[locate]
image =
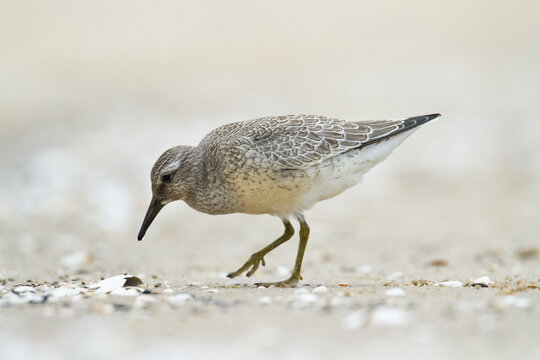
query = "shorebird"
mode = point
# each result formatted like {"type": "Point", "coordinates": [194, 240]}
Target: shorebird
{"type": "Point", "coordinates": [279, 165]}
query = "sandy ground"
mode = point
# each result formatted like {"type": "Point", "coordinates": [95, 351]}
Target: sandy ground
{"type": "Point", "coordinates": [434, 256]}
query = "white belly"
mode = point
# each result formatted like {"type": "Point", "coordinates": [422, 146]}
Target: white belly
{"type": "Point", "coordinates": [341, 172]}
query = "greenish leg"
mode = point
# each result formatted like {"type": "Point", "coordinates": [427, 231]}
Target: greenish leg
{"type": "Point", "coordinates": [258, 258]}
{"type": "Point", "coordinates": [295, 276]}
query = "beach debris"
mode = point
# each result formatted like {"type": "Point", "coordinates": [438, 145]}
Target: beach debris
{"type": "Point", "coordinates": [111, 284]}
{"type": "Point", "coordinates": [482, 281]}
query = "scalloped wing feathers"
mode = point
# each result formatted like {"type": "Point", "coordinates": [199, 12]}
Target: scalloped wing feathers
{"type": "Point", "coordinates": [301, 141]}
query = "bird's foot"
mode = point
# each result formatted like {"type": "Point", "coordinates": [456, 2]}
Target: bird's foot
{"type": "Point", "coordinates": [254, 261]}
{"type": "Point", "coordinates": [290, 282]}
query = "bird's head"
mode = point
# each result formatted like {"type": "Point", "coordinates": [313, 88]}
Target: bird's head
{"type": "Point", "coordinates": [171, 178]}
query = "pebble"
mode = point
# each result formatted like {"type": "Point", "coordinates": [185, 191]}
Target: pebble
{"type": "Point", "coordinates": [395, 292]}
{"type": "Point", "coordinates": [343, 283]}
{"type": "Point", "coordinates": [211, 291]}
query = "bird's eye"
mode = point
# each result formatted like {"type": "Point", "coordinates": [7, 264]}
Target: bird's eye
{"type": "Point", "coordinates": [166, 178]}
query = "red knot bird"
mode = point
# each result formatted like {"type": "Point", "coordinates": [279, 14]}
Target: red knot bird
{"type": "Point", "coordinates": [279, 166]}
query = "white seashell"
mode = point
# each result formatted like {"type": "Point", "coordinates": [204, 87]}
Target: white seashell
{"type": "Point", "coordinates": [265, 300]}
{"type": "Point", "coordinates": [450, 283]}
{"type": "Point", "coordinates": [23, 289]}
{"type": "Point", "coordinates": [395, 292]}
{"type": "Point", "coordinates": [125, 292]}
{"type": "Point", "coordinates": [116, 282]}
{"type": "Point", "coordinates": [67, 291]}
{"type": "Point", "coordinates": [320, 289]}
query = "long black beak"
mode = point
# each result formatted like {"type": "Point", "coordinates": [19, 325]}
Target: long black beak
{"type": "Point", "coordinates": [153, 210]}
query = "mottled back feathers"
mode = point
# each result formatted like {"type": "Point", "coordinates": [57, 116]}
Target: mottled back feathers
{"type": "Point", "coordinates": [301, 141]}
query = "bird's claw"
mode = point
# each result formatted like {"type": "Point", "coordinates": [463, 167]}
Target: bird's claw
{"type": "Point", "coordinates": [254, 261]}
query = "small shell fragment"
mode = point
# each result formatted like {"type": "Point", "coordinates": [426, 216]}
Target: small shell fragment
{"type": "Point", "coordinates": [320, 289]}
{"type": "Point", "coordinates": [450, 283]}
{"type": "Point", "coordinates": [395, 292]}
{"type": "Point", "coordinates": [116, 282]}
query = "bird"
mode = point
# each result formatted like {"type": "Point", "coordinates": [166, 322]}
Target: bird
{"type": "Point", "coordinates": [276, 165]}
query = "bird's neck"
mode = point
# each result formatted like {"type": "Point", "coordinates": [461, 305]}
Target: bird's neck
{"type": "Point", "coordinates": [206, 192]}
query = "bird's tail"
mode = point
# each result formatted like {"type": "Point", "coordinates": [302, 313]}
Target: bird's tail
{"type": "Point", "coordinates": [383, 130]}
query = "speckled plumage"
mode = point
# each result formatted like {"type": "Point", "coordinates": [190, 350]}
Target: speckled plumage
{"type": "Point", "coordinates": [274, 165]}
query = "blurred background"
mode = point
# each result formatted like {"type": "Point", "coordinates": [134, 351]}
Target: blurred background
{"type": "Point", "coordinates": [93, 92]}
